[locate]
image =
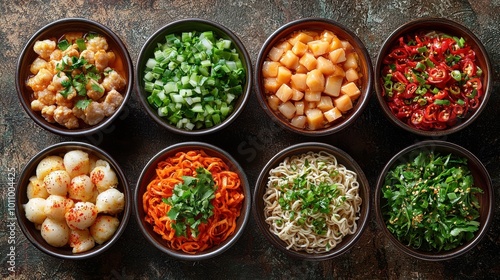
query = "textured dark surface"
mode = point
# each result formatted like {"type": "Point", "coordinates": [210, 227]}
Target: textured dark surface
{"type": "Point", "coordinates": [251, 139]}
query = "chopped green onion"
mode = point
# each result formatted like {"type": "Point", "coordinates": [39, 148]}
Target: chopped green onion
{"type": "Point", "coordinates": [63, 45]}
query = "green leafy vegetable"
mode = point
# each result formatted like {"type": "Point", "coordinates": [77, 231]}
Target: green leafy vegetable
{"type": "Point", "coordinates": [82, 103]}
{"type": "Point", "coordinates": [431, 202]}
{"type": "Point", "coordinates": [191, 202]}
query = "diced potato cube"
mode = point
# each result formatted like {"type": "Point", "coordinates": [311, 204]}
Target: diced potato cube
{"type": "Point", "coordinates": [337, 56]}
{"type": "Point", "coordinates": [325, 103]}
{"type": "Point", "coordinates": [284, 75]}
{"type": "Point", "coordinates": [299, 108]}
{"type": "Point", "coordinates": [351, 61]}
{"type": "Point", "coordinates": [351, 75]}
{"type": "Point", "coordinates": [270, 69]}
{"type": "Point", "coordinates": [315, 80]}
{"type": "Point", "coordinates": [332, 114]}
{"type": "Point", "coordinates": [290, 60]}
{"type": "Point", "coordinates": [333, 85]}
{"type": "Point", "coordinates": [275, 54]}
{"type": "Point", "coordinates": [314, 119]}
{"type": "Point", "coordinates": [301, 37]}
{"type": "Point", "coordinates": [301, 69]}
{"type": "Point", "coordinates": [300, 48]}
{"type": "Point", "coordinates": [287, 109]}
{"type": "Point", "coordinates": [343, 103]}
{"type": "Point", "coordinates": [299, 121]}
{"type": "Point", "coordinates": [298, 81]}
{"type": "Point", "coordinates": [351, 90]}
{"type": "Point", "coordinates": [271, 85]}
{"type": "Point", "coordinates": [335, 44]}
{"type": "Point", "coordinates": [310, 104]}
{"type": "Point", "coordinates": [318, 47]}
{"type": "Point", "coordinates": [327, 36]}
{"type": "Point", "coordinates": [308, 60]}
{"type": "Point", "coordinates": [325, 66]}
{"type": "Point", "coordinates": [346, 45]}
{"type": "Point", "coordinates": [284, 93]}
{"type": "Point", "coordinates": [297, 95]}
{"type": "Point", "coordinates": [285, 46]}
{"type": "Point", "coordinates": [312, 96]}
{"type": "Point", "coordinates": [273, 101]}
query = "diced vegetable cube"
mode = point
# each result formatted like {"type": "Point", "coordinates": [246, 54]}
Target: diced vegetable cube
{"type": "Point", "coordinates": [297, 94]}
{"type": "Point", "coordinates": [326, 66]}
{"type": "Point", "coordinates": [299, 121]}
{"type": "Point", "coordinates": [325, 103]}
{"type": "Point", "coordinates": [271, 85]}
{"type": "Point", "coordinates": [290, 60]}
{"type": "Point", "coordinates": [284, 75]}
{"type": "Point", "coordinates": [298, 81]}
{"type": "Point", "coordinates": [332, 114]}
{"type": "Point", "coordinates": [327, 36]}
{"type": "Point", "coordinates": [351, 75]}
{"type": "Point", "coordinates": [337, 56]}
{"type": "Point", "coordinates": [335, 44]}
{"type": "Point", "coordinates": [312, 96]}
{"type": "Point", "coordinates": [273, 102]}
{"type": "Point", "coordinates": [284, 93]}
{"type": "Point", "coordinates": [346, 45]}
{"type": "Point", "coordinates": [309, 61]}
{"type": "Point", "coordinates": [314, 119]}
{"type": "Point", "coordinates": [343, 103]}
{"type": "Point", "coordinates": [299, 108]}
{"type": "Point", "coordinates": [333, 85]}
{"type": "Point", "coordinates": [287, 109]}
{"type": "Point", "coordinates": [351, 90]}
{"type": "Point", "coordinates": [315, 80]}
{"type": "Point", "coordinates": [275, 54]}
{"type": "Point", "coordinates": [270, 69]}
{"type": "Point", "coordinates": [300, 48]}
{"type": "Point", "coordinates": [301, 37]}
{"type": "Point", "coordinates": [351, 61]}
{"type": "Point", "coordinates": [318, 47]}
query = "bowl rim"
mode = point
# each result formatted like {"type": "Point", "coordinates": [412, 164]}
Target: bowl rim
{"type": "Point", "coordinates": [295, 25]}
{"type": "Point", "coordinates": [125, 215]}
{"type": "Point", "coordinates": [432, 145]}
{"type": "Point", "coordinates": [55, 128]}
{"type": "Point", "coordinates": [221, 29]}
{"type": "Point", "coordinates": [364, 214]}
{"type": "Point", "coordinates": [436, 23]}
{"type": "Point", "coordinates": [246, 206]}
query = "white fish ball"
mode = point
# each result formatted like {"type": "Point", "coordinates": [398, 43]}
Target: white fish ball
{"type": "Point", "coordinates": [56, 206]}
{"type": "Point", "coordinates": [104, 228]}
{"type": "Point", "coordinates": [103, 176]}
{"type": "Point", "coordinates": [47, 165]}
{"type": "Point", "coordinates": [77, 162]}
{"type": "Point", "coordinates": [81, 240]}
{"type": "Point", "coordinates": [82, 215]}
{"type": "Point", "coordinates": [56, 233]}
{"type": "Point", "coordinates": [110, 201]}
{"type": "Point", "coordinates": [81, 188]}
{"type": "Point", "coordinates": [57, 182]}
{"type": "Point", "coordinates": [36, 188]}
{"type": "Point", "coordinates": [35, 210]}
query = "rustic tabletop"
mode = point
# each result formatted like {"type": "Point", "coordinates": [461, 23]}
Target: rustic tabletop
{"type": "Point", "coordinates": [252, 139]}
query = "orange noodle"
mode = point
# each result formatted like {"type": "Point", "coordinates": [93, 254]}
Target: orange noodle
{"type": "Point", "coordinates": [226, 204]}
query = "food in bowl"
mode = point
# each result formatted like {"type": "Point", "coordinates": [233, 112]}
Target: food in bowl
{"type": "Point", "coordinates": [312, 202]}
{"type": "Point", "coordinates": [73, 200]}
{"type": "Point", "coordinates": [194, 79]}
{"type": "Point", "coordinates": [312, 78]}
{"type": "Point", "coordinates": [193, 202]}
{"type": "Point", "coordinates": [431, 80]}
{"type": "Point", "coordinates": [77, 80]}
{"type": "Point", "coordinates": [431, 201]}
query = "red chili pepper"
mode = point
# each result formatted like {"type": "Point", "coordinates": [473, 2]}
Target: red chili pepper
{"type": "Point", "coordinates": [409, 91]}
{"type": "Point", "coordinates": [431, 112]}
{"type": "Point", "coordinates": [474, 83]}
{"type": "Point", "coordinates": [399, 53]}
{"type": "Point", "coordinates": [442, 94]}
{"type": "Point", "coordinates": [400, 77]}
{"type": "Point", "coordinates": [438, 74]}
{"type": "Point", "coordinates": [444, 115]}
{"type": "Point", "coordinates": [417, 117]}
{"type": "Point", "coordinates": [469, 68]}
{"type": "Point", "coordinates": [404, 112]}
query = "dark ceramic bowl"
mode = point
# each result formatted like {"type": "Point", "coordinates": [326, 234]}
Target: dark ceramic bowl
{"type": "Point", "coordinates": [55, 30]}
{"type": "Point", "coordinates": [149, 172]}
{"type": "Point", "coordinates": [189, 25]}
{"type": "Point", "coordinates": [343, 33]}
{"type": "Point", "coordinates": [445, 26]}
{"type": "Point", "coordinates": [481, 180]}
{"type": "Point", "coordinates": [342, 158]}
{"type": "Point", "coordinates": [28, 228]}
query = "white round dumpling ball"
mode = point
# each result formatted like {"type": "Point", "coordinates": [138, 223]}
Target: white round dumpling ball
{"type": "Point", "coordinates": [36, 188]}
{"type": "Point", "coordinates": [56, 206]}
{"type": "Point", "coordinates": [81, 216]}
{"type": "Point", "coordinates": [77, 162]}
{"type": "Point", "coordinates": [49, 164]}
{"type": "Point", "coordinates": [35, 210]}
{"type": "Point", "coordinates": [56, 233]}
{"type": "Point", "coordinates": [104, 228]}
{"type": "Point", "coordinates": [57, 182]}
{"type": "Point", "coordinates": [81, 240]}
{"type": "Point", "coordinates": [103, 176]}
{"type": "Point", "coordinates": [110, 201]}
{"type": "Point", "coordinates": [81, 188]}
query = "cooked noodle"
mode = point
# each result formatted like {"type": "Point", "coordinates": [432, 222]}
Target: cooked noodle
{"type": "Point", "coordinates": [227, 203]}
{"type": "Point", "coordinates": [299, 229]}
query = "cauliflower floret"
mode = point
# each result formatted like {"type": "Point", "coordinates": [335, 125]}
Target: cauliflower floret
{"type": "Point", "coordinates": [46, 96]}
{"type": "Point", "coordinates": [38, 63]}
{"type": "Point", "coordinates": [97, 43]}
{"type": "Point", "coordinates": [111, 57]}
{"type": "Point", "coordinates": [94, 90]}
{"type": "Point", "coordinates": [44, 48]}
{"type": "Point", "coordinates": [36, 105]}
{"type": "Point", "coordinates": [113, 100]}
{"type": "Point", "coordinates": [64, 116]}
{"type": "Point", "coordinates": [101, 60]}
{"type": "Point", "coordinates": [57, 81]}
{"type": "Point", "coordinates": [56, 55]}
{"type": "Point", "coordinates": [113, 80]}
{"type": "Point", "coordinates": [94, 113]}
{"type": "Point", "coordinates": [48, 113]}
{"type": "Point", "coordinates": [72, 51]}
{"type": "Point", "coordinates": [66, 101]}
{"type": "Point", "coordinates": [41, 80]}
{"type": "Point", "coordinates": [72, 36]}
{"type": "Point", "coordinates": [88, 55]}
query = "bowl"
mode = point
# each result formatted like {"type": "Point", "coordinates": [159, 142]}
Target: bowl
{"type": "Point", "coordinates": [66, 123]}
{"type": "Point", "coordinates": [282, 103]}
{"type": "Point", "coordinates": [149, 173]}
{"type": "Point", "coordinates": [298, 151]}
{"type": "Point", "coordinates": [198, 99]}
{"type": "Point", "coordinates": [29, 229]}
{"type": "Point", "coordinates": [481, 179]}
{"type": "Point", "coordinates": [434, 103]}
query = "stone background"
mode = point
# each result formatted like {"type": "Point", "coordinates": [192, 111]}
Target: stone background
{"type": "Point", "coordinates": [372, 141]}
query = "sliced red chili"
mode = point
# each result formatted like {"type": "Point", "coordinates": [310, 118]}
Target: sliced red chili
{"type": "Point", "coordinates": [399, 53]}
{"type": "Point", "coordinates": [409, 91]}
{"type": "Point", "coordinates": [469, 68]}
{"type": "Point", "coordinates": [444, 115]}
{"type": "Point", "coordinates": [400, 77]}
{"type": "Point", "coordinates": [438, 74]}
{"type": "Point", "coordinates": [442, 94]}
{"type": "Point", "coordinates": [417, 117]}
{"type": "Point", "coordinates": [404, 112]}
{"type": "Point", "coordinates": [431, 112]}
